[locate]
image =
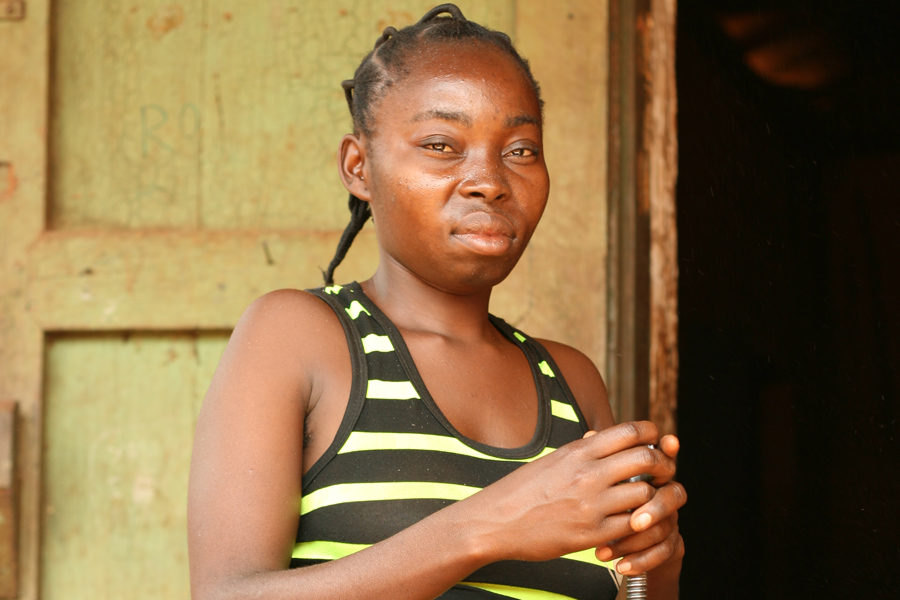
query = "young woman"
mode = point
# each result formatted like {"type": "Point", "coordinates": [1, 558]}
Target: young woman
{"type": "Point", "coordinates": [391, 439]}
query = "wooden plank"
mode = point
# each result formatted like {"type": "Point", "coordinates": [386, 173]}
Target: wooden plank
{"type": "Point", "coordinates": [661, 144]}
{"type": "Point", "coordinates": [563, 273]}
{"type": "Point", "coordinates": [643, 166]}
{"type": "Point", "coordinates": [23, 141]}
{"type": "Point", "coordinates": [9, 508]}
{"type": "Point", "coordinates": [174, 279]}
{"type": "Point", "coordinates": [629, 220]}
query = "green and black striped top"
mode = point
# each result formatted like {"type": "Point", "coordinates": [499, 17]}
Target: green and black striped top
{"type": "Point", "coordinates": [396, 459]}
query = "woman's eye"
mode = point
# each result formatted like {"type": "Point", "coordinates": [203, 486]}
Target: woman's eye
{"type": "Point", "coordinates": [438, 147]}
{"type": "Point", "coordinates": [522, 152]}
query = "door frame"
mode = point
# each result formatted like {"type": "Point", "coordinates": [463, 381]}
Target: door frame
{"type": "Point", "coordinates": [642, 368]}
{"type": "Point", "coordinates": [23, 150]}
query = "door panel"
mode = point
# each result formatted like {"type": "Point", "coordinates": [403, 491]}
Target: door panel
{"type": "Point", "coordinates": [125, 122]}
{"type": "Point", "coordinates": [166, 164]}
{"type": "Point", "coordinates": [119, 415]}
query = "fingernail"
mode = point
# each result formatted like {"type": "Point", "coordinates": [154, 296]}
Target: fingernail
{"type": "Point", "coordinates": [623, 566]}
{"type": "Point", "coordinates": [605, 553]}
{"type": "Point", "coordinates": [643, 521]}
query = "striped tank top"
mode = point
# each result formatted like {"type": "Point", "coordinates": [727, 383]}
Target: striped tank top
{"type": "Point", "coordinates": [396, 459]}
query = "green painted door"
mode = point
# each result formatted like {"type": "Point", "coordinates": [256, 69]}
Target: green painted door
{"type": "Point", "coordinates": [162, 164]}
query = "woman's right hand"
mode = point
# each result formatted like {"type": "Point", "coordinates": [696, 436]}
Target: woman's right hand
{"type": "Point", "coordinates": [573, 498]}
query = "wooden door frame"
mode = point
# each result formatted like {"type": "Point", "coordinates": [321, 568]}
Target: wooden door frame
{"type": "Point", "coordinates": [23, 110]}
{"type": "Point", "coordinates": [642, 368]}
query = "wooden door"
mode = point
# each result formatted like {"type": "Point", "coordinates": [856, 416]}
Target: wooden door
{"type": "Point", "coordinates": [162, 164]}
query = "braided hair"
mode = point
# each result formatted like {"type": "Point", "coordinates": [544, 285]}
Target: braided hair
{"type": "Point", "coordinates": [387, 64]}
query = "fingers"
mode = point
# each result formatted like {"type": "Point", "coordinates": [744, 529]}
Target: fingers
{"type": "Point", "coordinates": [666, 502]}
{"type": "Point", "coordinates": [613, 527]}
{"type": "Point", "coordinates": [654, 523]}
{"type": "Point", "coordinates": [620, 437]}
{"type": "Point", "coordinates": [637, 542]}
{"type": "Point", "coordinates": [670, 548]}
{"type": "Point", "coordinates": [639, 461]}
{"type": "Point", "coordinates": [670, 445]}
{"type": "Point", "coordinates": [625, 452]}
{"type": "Point", "coordinates": [623, 498]}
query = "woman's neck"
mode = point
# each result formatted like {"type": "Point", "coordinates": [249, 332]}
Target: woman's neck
{"type": "Point", "coordinates": [415, 305]}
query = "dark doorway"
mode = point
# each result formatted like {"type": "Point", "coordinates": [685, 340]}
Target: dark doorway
{"type": "Point", "coordinates": [789, 254]}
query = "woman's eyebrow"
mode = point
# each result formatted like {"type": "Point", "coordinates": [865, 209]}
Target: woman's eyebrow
{"type": "Point", "coordinates": [521, 120]}
{"type": "Point", "coordinates": [464, 120]}
{"type": "Point", "coordinates": [444, 115]}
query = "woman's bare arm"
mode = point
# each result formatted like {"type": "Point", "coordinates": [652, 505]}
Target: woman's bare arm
{"type": "Point", "coordinates": [247, 464]}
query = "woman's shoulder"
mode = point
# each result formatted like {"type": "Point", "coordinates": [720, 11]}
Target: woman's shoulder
{"type": "Point", "coordinates": [288, 329]}
{"type": "Point", "coordinates": [288, 312]}
{"type": "Point", "coordinates": [585, 382]}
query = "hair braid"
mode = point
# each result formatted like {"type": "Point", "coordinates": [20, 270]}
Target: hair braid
{"type": "Point", "coordinates": [451, 9]}
{"type": "Point", "coordinates": [359, 214]}
{"type": "Point", "coordinates": [386, 64]}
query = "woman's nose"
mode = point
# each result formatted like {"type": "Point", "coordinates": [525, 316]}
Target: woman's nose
{"type": "Point", "coordinates": [485, 178]}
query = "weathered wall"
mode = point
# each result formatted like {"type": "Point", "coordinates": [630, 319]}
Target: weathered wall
{"type": "Point", "coordinates": [559, 290]}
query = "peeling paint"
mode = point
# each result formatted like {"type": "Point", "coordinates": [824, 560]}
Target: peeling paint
{"type": "Point", "coordinates": [144, 489]}
{"type": "Point", "coordinates": [165, 20]}
{"type": "Point", "coordinates": [110, 309]}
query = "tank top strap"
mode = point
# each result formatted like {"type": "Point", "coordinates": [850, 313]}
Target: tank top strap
{"type": "Point", "coordinates": [562, 401]}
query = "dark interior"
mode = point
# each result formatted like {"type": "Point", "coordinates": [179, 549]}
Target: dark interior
{"type": "Point", "coordinates": [789, 253]}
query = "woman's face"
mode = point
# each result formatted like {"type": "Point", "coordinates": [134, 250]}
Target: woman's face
{"type": "Point", "coordinates": [455, 169]}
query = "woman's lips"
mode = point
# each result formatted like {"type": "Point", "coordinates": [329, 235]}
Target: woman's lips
{"type": "Point", "coordinates": [485, 233]}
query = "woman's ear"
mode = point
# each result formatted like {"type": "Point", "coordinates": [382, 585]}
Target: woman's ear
{"type": "Point", "coordinates": [352, 166]}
